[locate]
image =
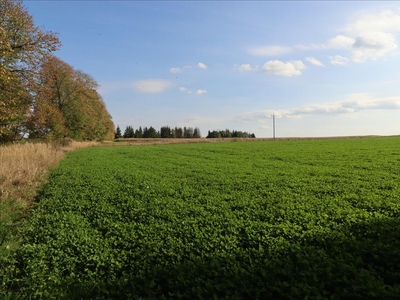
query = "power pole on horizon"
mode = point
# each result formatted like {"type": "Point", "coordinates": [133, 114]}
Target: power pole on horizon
{"type": "Point", "coordinates": [273, 124]}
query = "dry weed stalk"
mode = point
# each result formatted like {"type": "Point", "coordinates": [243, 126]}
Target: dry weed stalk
{"type": "Point", "coordinates": [23, 167]}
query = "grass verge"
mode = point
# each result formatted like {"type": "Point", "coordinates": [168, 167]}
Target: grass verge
{"type": "Point", "coordinates": [24, 167]}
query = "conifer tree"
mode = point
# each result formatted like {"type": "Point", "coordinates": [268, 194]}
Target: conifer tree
{"type": "Point", "coordinates": [129, 132]}
{"type": "Point", "coordinates": [118, 133]}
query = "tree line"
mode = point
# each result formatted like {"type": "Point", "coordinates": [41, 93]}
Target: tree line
{"type": "Point", "coordinates": [41, 96]}
{"type": "Point", "coordinates": [164, 132]}
{"type": "Point", "coordinates": [229, 134]}
{"type": "Point", "coordinates": [178, 132]}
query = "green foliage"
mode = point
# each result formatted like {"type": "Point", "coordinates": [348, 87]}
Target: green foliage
{"type": "Point", "coordinates": [316, 219]}
{"type": "Point", "coordinates": [40, 95]}
{"type": "Point", "coordinates": [22, 46]}
{"type": "Point", "coordinates": [129, 132]}
{"type": "Point", "coordinates": [228, 134]}
{"type": "Point", "coordinates": [139, 132]}
{"type": "Point", "coordinates": [68, 105]}
{"type": "Point", "coordinates": [165, 132]}
{"type": "Point", "coordinates": [118, 133]}
{"type": "Point", "coordinates": [10, 215]}
{"type": "Point", "coordinates": [150, 132]}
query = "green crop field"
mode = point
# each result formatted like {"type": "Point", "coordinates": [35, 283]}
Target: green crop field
{"type": "Point", "coordinates": [305, 219]}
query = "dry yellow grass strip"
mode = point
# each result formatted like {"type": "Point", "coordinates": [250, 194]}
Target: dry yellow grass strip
{"type": "Point", "coordinates": [23, 167]}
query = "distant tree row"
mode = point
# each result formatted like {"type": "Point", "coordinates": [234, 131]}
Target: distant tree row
{"type": "Point", "coordinates": [41, 96]}
{"type": "Point", "coordinates": [178, 132]}
{"type": "Point", "coordinates": [229, 134]}
{"type": "Point", "coordinates": [164, 132]}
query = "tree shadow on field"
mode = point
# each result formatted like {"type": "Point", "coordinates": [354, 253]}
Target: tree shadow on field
{"type": "Point", "coordinates": [364, 263]}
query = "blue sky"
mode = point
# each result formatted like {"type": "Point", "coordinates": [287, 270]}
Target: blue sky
{"type": "Point", "coordinates": [323, 68]}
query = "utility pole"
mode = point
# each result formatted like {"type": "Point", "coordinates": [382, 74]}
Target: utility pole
{"type": "Point", "coordinates": [273, 124]}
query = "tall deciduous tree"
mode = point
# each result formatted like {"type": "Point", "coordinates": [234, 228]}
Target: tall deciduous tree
{"type": "Point", "coordinates": [66, 104]}
{"type": "Point", "coordinates": [22, 47]}
{"type": "Point", "coordinates": [55, 89]}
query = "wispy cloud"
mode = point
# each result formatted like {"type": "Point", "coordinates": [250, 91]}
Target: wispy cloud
{"type": "Point", "coordinates": [175, 70]}
{"type": "Point", "coordinates": [338, 42]}
{"type": "Point", "coordinates": [338, 60]}
{"type": "Point", "coordinates": [269, 50]}
{"type": "Point", "coordinates": [151, 85]}
{"type": "Point", "coordinates": [183, 89]}
{"type": "Point", "coordinates": [198, 92]}
{"type": "Point", "coordinates": [315, 62]}
{"type": "Point", "coordinates": [352, 104]}
{"type": "Point", "coordinates": [200, 65]}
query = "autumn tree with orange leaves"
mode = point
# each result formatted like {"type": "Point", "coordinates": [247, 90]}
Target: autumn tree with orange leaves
{"type": "Point", "coordinates": [22, 47]}
{"type": "Point", "coordinates": [40, 95]}
{"type": "Point", "coordinates": [66, 104]}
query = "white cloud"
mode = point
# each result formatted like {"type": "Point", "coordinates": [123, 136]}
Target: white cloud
{"type": "Point", "coordinates": [200, 92]}
{"type": "Point", "coordinates": [372, 45]}
{"type": "Point", "coordinates": [351, 104]}
{"type": "Point", "coordinates": [299, 64]}
{"type": "Point", "coordinates": [369, 36]}
{"type": "Point", "coordinates": [175, 70]}
{"type": "Point", "coordinates": [183, 89]}
{"type": "Point", "coordinates": [269, 50]}
{"type": "Point", "coordinates": [384, 21]}
{"type": "Point", "coordinates": [179, 70]}
{"type": "Point", "coordinates": [340, 42]}
{"type": "Point", "coordinates": [339, 60]}
{"type": "Point", "coordinates": [366, 101]}
{"type": "Point", "coordinates": [151, 85]}
{"type": "Point", "coordinates": [315, 62]}
{"type": "Point", "coordinates": [202, 66]}
{"type": "Point", "coordinates": [246, 68]}
{"type": "Point", "coordinates": [288, 69]}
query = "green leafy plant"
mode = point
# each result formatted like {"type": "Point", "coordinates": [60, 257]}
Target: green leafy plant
{"type": "Point", "coordinates": [316, 219]}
